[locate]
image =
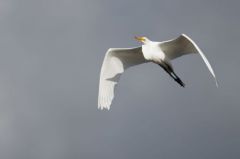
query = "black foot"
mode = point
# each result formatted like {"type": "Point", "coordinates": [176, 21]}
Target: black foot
{"type": "Point", "coordinates": [179, 81]}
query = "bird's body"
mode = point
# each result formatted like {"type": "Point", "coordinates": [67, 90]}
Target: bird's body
{"type": "Point", "coordinates": [161, 53]}
{"type": "Point", "coordinates": [152, 52]}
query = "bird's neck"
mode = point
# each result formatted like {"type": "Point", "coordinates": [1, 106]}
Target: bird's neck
{"type": "Point", "coordinates": [147, 42]}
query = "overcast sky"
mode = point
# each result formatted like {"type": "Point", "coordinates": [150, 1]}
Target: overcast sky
{"type": "Point", "coordinates": [51, 53]}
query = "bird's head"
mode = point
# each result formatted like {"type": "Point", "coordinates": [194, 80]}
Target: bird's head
{"type": "Point", "coordinates": [142, 39]}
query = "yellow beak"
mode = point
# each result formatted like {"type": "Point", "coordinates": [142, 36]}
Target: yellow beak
{"type": "Point", "coordinates": [139, 38]}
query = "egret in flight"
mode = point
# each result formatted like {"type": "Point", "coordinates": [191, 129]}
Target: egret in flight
{"type": "Point", "coordinates": [117, 60]}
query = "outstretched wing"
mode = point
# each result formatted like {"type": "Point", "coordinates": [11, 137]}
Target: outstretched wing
{"type": "Point", "coordinates": [114, 64]}
{"type": "Point", "coordinates": [184, 45]}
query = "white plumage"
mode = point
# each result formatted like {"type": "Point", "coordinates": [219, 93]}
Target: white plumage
{"type": "Point", "coordinates": [117, 60]}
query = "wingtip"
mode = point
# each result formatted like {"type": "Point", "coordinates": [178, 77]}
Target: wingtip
{"type": "Point", "coordinates": [216, 83]}
{"type": "Point", "coordinates": [104, 102]}
{"type": "Point", "coordinates": [100, 107]}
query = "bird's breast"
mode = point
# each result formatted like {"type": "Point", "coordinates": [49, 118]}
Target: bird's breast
{"type": "Point", "coordinates": [153, 53]}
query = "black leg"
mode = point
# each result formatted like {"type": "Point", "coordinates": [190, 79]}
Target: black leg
{"type": "Point", "coordinates": [170, 71]}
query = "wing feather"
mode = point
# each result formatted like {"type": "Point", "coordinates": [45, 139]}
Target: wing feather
{"type": "Point", "coordinates": [115, 62]}
{"type": "Point", "coordinates": [183, 45]}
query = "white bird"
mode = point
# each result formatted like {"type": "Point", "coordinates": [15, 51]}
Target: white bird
{"type": "Point", "coordinates": [117, 60]}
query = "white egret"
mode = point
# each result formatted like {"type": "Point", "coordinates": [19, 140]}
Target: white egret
{"type": "Point", "coordinates": [117, 60]}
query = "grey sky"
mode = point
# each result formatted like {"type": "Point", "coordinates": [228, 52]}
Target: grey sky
{"type": "Point", "coordinates": [51, 54]}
